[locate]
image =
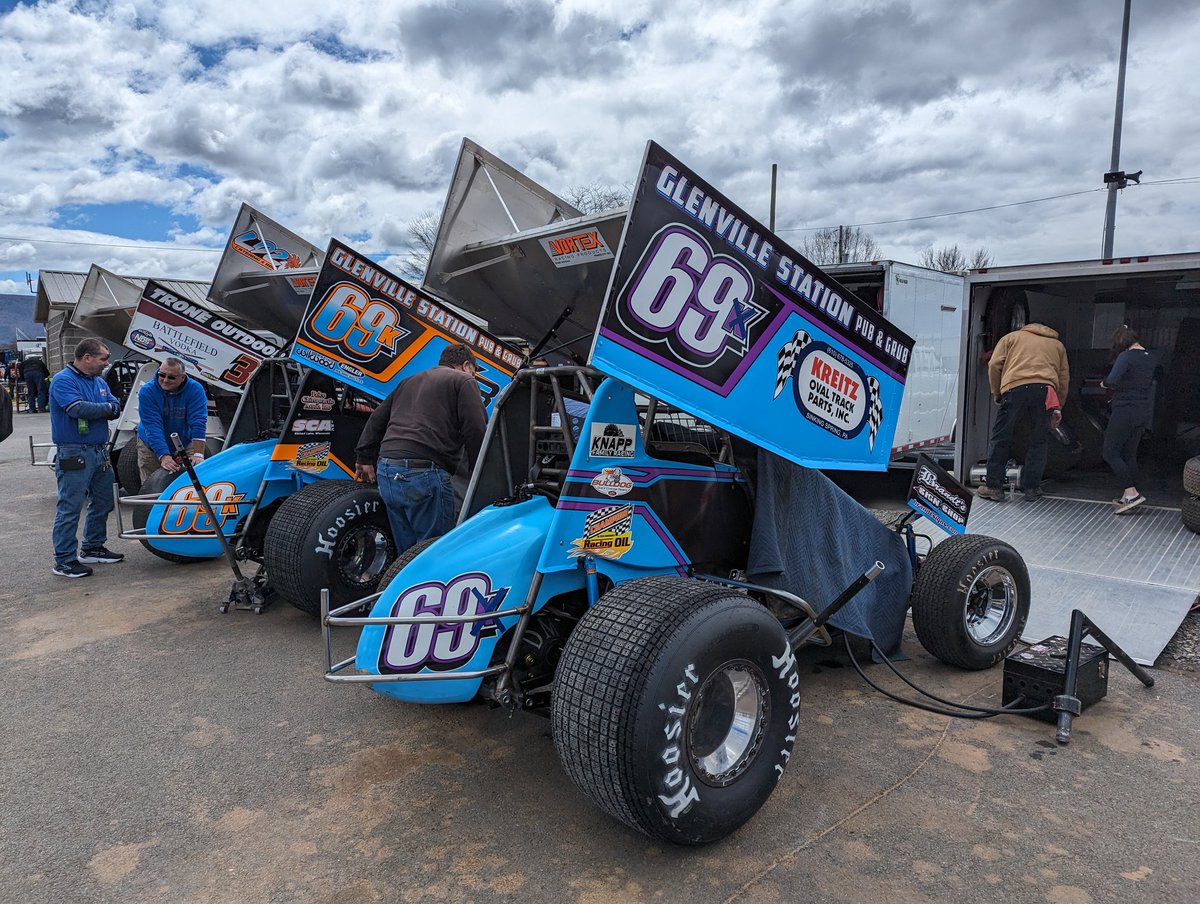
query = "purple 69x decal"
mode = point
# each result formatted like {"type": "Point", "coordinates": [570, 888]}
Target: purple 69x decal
{"type": "Point", "coordinates": [440, 647]}
{"type": "Point", "coordinates": [699, 303]}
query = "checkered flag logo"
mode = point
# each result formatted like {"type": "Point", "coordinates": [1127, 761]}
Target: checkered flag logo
{"type": "Point", "coordinates": [615, 519]}
{"type": "Point", "coordinates": [875, 415]}
{"type": "Point", "coordinates": [788, 353]}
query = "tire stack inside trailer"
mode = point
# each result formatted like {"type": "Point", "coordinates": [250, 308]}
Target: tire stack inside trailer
{"type": "Point", "coordinates": [1191, 494]}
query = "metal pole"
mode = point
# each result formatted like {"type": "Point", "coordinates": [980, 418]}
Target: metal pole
{"type": "Point", "coordinates": [774, 176]}
{"type": "Point", "coordinates": [1110, 210]}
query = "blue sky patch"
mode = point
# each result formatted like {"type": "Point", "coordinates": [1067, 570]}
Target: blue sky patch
{"type": "Point", "coordinates": [128, 219]}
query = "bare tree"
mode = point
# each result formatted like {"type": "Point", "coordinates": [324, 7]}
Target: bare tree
{"type": "Point", "coordinates": [951, 257]}
{"type": "Point", "coordinates": [422, 232]}
{"type": "Point", "coordinates": [838, 245]}
{"type": "Point", "coordinates": [598, 197]}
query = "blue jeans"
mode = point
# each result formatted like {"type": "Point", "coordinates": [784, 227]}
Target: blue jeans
{"type": "Point", "coordinates": [420, 501]}
{"type": "Point", "coordinates": [91, 484]}
{"type": "Point", "coordinates": [1020, 402]}
{"type": "Point", "coordinates": [1121, 439]}
{"type": "Point", "coordinates": [37, 392]}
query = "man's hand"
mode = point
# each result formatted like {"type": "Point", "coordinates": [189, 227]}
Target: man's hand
{"type": "Point", "coordinates": [197, 457]}
{"type": "Point", "coordinates": [168, 463]}
{"type": "Point", "coordinates": [996, 398]}
{"type": "Point", "coordinates": [364, 473]}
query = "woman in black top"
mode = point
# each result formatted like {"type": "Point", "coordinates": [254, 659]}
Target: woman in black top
{"type": "Point", "coordinates": [1130, 378]}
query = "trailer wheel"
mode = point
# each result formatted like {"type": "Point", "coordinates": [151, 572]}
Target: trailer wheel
{"type": "Point", "coordinates": [156, 483]}
{"type": "Point", "coordinates": [675, 707]}
{"type": "Point", "coordinates": [1191, 476]}
{"type": "Point", "coordinates": [129, 475]}
{"type": "Point", "coordinates": [970, 601]}
{"type": "Point", "coordinates": [332, 533]}
{"type": "Point", "coordinates": [1190, 510]}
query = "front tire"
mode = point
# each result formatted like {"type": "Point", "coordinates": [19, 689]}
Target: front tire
{"type": "Point", "coordinates": [675, 707]}
{"type": "Point", "coordinates": [129, 474]}
{"type": "Point", "coordinates": [334, 534]}
{"type": "Point", "coordinates": [155, 484]}
{"type": "Point", "coordinates": [970, 601]}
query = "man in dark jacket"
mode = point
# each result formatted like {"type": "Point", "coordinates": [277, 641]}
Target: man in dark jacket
{"type": "Point", "coordinates": [36, 387]}
{"type": "Point", "coordinates": [81, 404]}
{"type": "Point", "coordinates": [170, 403]}
{"type": "Point", "coordinates": [413, 441]}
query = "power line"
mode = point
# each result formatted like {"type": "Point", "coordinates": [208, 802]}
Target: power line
{"type": "Point", "coordinates": [1183, 180]}
{"type": "Point", "coordinates": [934, 216]}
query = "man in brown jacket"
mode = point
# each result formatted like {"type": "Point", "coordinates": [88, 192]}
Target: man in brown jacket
{"type": "Point", "coordinates": [1024, 365]}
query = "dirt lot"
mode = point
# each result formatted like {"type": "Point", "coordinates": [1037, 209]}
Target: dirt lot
{"type": "Point", "coordinates": [156, 750]}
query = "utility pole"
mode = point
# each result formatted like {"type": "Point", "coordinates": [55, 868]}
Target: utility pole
{"type": "Point", "coordinates": [774, 175]}
{"type": "Point", "coordinates": [1115, 179]}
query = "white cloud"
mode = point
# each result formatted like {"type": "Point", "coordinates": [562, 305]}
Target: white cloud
{"type": "Point", "coordinates": [344, 119]}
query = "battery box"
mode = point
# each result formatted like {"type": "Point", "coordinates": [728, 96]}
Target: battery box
{"type": "Point", "coordinates": [1038, 674]}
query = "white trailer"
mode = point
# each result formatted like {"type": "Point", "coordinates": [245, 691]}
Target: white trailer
{"type": "Point", "coordinates": [1135, 575]}
{"type": "Point", "coordinates": [926, 304]}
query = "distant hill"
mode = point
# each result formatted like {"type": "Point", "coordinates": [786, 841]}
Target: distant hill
{"type": "Point", "coordinates": [16, 312]}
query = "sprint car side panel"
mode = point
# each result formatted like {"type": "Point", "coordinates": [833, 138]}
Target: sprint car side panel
{"type": "Point", "coordinates": [484, 564]}
{"type": "Point", "coordinates": [229, 478]}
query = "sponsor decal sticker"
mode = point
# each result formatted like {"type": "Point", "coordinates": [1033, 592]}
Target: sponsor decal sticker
{"type": "Point", "coordinates": [312, 457]}
{"type": "Point", "coordinates": [312, 425]}
{"type": "Point", "coordinates": [576, 248]}
{"type": "Point", "coordinates": [611, 482]}
{"type": "Point", "coordinates": [829, 388]}
{"type": "Point", "coordinates": [185, 514]}
{"type": "Point", "coordinates": [317, 401]}
{"type": "Point", "coordinates": [612, 441]}
{"type": "Point", "coordinates": [607, 533]}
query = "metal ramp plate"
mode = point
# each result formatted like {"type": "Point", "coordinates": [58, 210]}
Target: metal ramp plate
{"type": "Point", "coordinates": [1134, 575]}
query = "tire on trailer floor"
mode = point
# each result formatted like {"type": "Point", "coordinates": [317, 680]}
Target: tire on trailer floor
{"type": "Point", "coordinates": [332, 533]}
{"type": "Point", "coordinates": [970, 600]}
{"type": "Point", "coordinates": [156, 483]}
{"type": "Point", "coordinates": [1190, 511]}
{"type": "Point", "coordinates": [129, 475]}
{"type": "Point", "coordinates": [1191, 476]}
{"type": "Point", "coordinates": [675, 707]}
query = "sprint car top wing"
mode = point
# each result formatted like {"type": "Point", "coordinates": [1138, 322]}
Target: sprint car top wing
{"type": "Point", "coordinates": [711, 312]}
{"type": "Point", "coordinates": [512, 252]}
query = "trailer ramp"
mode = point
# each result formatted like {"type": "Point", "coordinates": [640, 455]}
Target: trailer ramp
{"type": "Point", "coordinates": [1134, 575]}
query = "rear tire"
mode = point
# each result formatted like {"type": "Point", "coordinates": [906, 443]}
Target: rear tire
{"type": "Point", "coordinates": [334, 534]}
{"type": "Point", "coordinates": [675, 707]}
{"type": "Point", "coordinates": [970, 601]}
{"type": "Point", "coordinates": [156, 483]}
{"type": "Point", "coordinates": [129, 475]}
{"type": "Point", "coordinates": [402, 561]}
{"type": "Point", "coordinates": [1190, 511]}
{"type": "Point", "coordinates": [1191, 476]}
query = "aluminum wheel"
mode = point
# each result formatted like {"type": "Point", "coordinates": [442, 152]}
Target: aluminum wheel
{"type": "Point", "coordinates": [726, 727]}
{"type": "Point", "coordinates": [991, 605]}
{"type": "Point", "coordinates": [364, 554]}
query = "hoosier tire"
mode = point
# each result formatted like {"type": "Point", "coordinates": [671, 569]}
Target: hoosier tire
{"type": "Point", "coordinates": [332, 533]}
{"type": "Point", "coordinates": [156, 483]}
{"type": "Point", "coordinates": [1190, 511]}
{"type": "Point", "coordinates": [129, 475]}
{"type": "Point", "coordinates": [970, 601]}
{"type": "Point", "coordinates": [1191, 476]}
{"type": "Point", "coordinates": [675, 707]}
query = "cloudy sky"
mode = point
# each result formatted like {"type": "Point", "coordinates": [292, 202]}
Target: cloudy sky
{"type": "Point", "coordinates": [130, 132]}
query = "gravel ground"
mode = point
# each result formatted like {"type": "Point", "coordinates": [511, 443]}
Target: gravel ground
{"type": "Point", "coordinates": [1183, 652]}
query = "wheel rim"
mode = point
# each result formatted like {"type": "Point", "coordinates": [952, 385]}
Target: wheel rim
{"type": "Point", "coordinates": [363, 555]}
{"type": "Point", "coordinates": [727, 722]}
{"type": "Point", "coordinates": [991, 605]}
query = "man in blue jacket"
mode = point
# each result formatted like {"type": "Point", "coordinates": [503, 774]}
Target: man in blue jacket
{"type": "Point", "coordinates": [170, 403]}
{"type": "Point", "coordinates": [81, 404]}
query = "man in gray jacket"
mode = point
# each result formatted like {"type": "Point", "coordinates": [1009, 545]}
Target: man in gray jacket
{"type": "Point", "coordinates": [413, 441]}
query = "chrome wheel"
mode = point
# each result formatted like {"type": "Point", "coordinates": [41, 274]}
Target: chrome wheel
{"type": "Point", "coordinates": [364, 554]}
{"type": "Point", "coordinates": [991, 605]}
{"type": "Point", "coordinates": [727, 724]}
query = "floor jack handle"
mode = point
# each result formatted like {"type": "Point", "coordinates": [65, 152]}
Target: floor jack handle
{"type": "Point", "coordinates": [1066, 704]}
